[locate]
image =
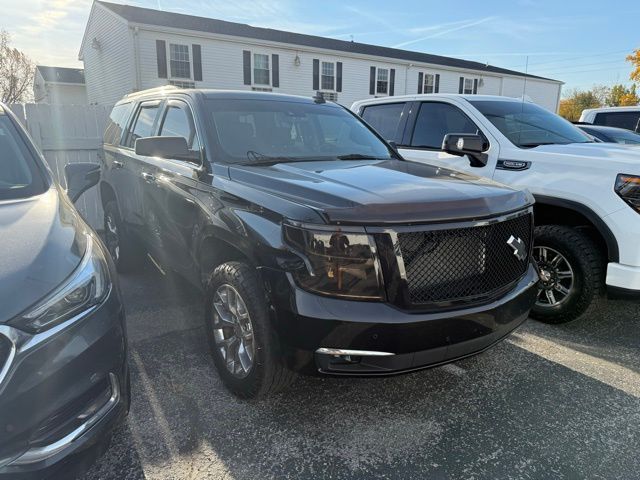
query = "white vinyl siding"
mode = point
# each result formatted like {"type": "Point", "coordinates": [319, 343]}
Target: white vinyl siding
{"type": "Point", "coordinates": [222, 68]}
{"type": "Point", "coordinates": [109, 69]}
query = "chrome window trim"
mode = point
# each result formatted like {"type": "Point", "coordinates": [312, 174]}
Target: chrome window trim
{"type": "Point", "coordinates": [12, 335]}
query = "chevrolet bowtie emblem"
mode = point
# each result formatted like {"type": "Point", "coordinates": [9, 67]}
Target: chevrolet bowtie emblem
{"type": "Point", "coordinates": [519, 248]}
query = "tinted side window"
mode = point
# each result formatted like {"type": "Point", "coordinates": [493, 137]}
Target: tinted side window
{"type": "Point", "coordinates": [628, 120]}
{"type": "Point", "coordinates": [435, 120]}
{"type": "Point", "coordinates": [178, 122]}
{"type": "Point", "coordinates": [384, 118]}
{"type": "Point", "coordinates": [143, 124]}
{"type": "Point", "coordinates": [117, 123]}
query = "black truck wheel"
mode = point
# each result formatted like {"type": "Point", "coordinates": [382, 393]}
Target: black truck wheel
{"type": "Point", "coordinates": [571, 268]}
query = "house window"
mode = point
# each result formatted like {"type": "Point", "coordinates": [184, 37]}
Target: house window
{"type": "Point", "coordinates": [429, 83]}
{"type": "Point", "coordinates": [329, 96]}
{"type": "Point", "coordinates": [382, 81]}
{"type": "Point", "coordinates": [328, 77]}
{"type": "Point", "coordinates": [261, 75]}
{"type": "Point", "coordinates": [468, 86]}
{"type": "Point", "coordinates": [179, 61]}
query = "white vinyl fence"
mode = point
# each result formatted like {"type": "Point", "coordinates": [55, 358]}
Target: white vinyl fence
{"type": "Point", "coordinates": [68, 134]}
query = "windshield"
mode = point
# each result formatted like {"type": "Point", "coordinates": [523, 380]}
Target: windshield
{"type": "Point", "coordinates": [19, 174]}
{"type": "Point", "coordinates": [527, 125]}
{"type": "Point", "coordinates": [624, 136]}
{"type": "Point", "coordinates": [257, 131]}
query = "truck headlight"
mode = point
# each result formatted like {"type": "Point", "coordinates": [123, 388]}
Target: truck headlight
{"type": "Point", "coordinates": [87, 286]}
{"type": "Point", "coordinates": [342, 264]}
{"type": "Point", "coordinates": [628, 188]}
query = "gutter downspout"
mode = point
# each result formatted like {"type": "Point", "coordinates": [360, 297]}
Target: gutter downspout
{"type": "Point", "coordinates": [136, 59]}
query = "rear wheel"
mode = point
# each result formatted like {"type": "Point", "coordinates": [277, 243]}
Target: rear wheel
{"type": "Point", "coordinates": [242, 342]}
{"type": "Point", "coordinates": [125, 252]}
{"type": "Point", "coordinates": [571, 273]}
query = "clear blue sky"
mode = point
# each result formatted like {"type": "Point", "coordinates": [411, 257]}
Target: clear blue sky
{"type": "Point", "coordinates": [579, 42]}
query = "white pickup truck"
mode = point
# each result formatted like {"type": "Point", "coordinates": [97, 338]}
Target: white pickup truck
{"type": "Point", "coordinates": [587, 194]}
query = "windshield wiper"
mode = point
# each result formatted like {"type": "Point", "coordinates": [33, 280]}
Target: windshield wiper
{"type": "Point", "coordinates": [532, 145]}
{"type": "Point", "coordinates": [358, 156]}
{"type": "Point", "coordinates": [258, 158]}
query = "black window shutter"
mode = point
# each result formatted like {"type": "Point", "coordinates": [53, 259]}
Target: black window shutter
{"type": "Point", "coordinates": [197, 62]}
{"type": "Point", "coordinates": [275, 65]}
{"type": "Point", "coordinates": [316, 74]}
{"type": "Point", "coordinates": [436, 87]}
{"type": "Point", "coordinates": [392, 81]}
{"type": "Point", "coordinates": [161, 57]}
{"type": "Point", "coordinates": [246, 66]}
{"type": "Point", "coordinates": [461, 87]}
{"type": "Point", "coordinates": [372, 81]}
{"type": "Point", "coordinates": [420, 81]}
{"type": "Point", "coordinates": [338, 76]}
{"type": "Point", "coordinates": [475, 85]}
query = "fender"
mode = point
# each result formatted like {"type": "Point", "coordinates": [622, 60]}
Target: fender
{"type": "Point", "coordinates": [598, 223]}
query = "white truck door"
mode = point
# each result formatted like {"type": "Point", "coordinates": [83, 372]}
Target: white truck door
{"type": "Point", "coordinates": [427, 125]}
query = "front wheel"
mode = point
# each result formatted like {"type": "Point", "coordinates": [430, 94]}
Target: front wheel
{"type": "Point", "coordinates": [125, 252]}
{"type": "Point", "coordinates": [571, 273]}
{"type": "Point", "coordinates": [242, 341]}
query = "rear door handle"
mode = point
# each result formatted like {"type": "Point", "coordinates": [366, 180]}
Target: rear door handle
{"type": "Point", "coordinates": [118, 164]}
{"type": "Point", "coordinates": [148, 177]}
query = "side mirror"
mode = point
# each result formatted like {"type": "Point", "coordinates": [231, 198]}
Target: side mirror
{"type": "Point", "coordinates": [174, 148]}
{"type": "Point", "coordinates": [461, 144]}
{"type": "Point", "coordinates": [80, 178]}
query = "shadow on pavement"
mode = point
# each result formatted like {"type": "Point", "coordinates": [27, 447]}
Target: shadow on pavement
{"type": "Point", "coordinates": [507, 413]}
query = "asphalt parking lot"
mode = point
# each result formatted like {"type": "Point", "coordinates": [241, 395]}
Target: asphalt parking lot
{"type": "Point", "coordinates": [550, 402]}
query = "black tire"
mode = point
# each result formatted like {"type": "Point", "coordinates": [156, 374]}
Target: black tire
{"type": "Point", "coordinates": [267, 374]}
{"type": "Point", "coordinates": [587, 262]}
{"type": "Point", "coordinates": [128, 257]}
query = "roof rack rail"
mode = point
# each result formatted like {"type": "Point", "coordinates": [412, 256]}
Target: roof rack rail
{"type": "Point", "coordinates": [152, 90]}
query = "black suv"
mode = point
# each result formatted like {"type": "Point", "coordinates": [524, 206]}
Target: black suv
{"type": "Point", "coordinates": [319, 248]}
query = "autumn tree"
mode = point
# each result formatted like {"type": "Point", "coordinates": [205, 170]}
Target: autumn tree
{"type": "Point", "coordinates": [634, 59]}
{"type": "Point", "coordinates": [621, 95]}
{"type": "Point", "coordinates": [16, 72]}
{"type": "Point", "coordinates": [575, 102]}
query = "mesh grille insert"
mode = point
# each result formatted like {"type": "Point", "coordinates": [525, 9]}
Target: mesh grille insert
{"type": "Point", "coordinates": [463, 263]}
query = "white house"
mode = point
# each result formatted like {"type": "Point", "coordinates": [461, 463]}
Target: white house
{"type": "Point", "coordinates": [128, 48]}
{"type": "Point", "coordinates": [59, 85]}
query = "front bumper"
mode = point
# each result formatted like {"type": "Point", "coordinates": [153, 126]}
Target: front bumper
{"type": "Point", "coordinates": [64, 391]}
{"type": "Point", "coordinates": [623, 277]}
{"type": "Point", "coordinates": [393, 340]}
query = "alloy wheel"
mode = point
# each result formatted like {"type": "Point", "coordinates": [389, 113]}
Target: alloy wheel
{"type": "Point", "coordinates": [233, 331]}
{"type": "Point", "coordinates": [557, 279]}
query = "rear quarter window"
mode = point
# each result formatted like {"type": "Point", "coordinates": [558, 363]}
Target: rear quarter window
{"type": "Point", "coordinates": [628, 120]}
{"type": "Point", "coordinates": [385, 119]}
{"type": "Point", "coordinates": [117, 123]}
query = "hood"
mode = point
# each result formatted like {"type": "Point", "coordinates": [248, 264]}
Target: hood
{"type": "Point", "coordinates": [383, 191]}
{"type": "Point", "coordinates": [41, 246]}
{"type": "Point", "coordinates": [611, 152]}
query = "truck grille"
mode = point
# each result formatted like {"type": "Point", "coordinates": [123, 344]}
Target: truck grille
{"type": "Point", "coordinates": [464, 264]}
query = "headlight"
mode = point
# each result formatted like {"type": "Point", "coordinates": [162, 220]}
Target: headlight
{"type": "Point", "coordinates": [337, 263]}
{"type": "Point", "coordinates": [628, 188]}
{"type": "Point", "coordinates": [87, 286]}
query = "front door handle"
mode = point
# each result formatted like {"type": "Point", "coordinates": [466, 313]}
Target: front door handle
{"type": "Point", "coordinates": [118, 164]}
{"type": "Point", "coordinates": [148, 177]}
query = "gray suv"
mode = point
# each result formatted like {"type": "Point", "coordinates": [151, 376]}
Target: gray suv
{"type": "Point", "coordinates": [64, 382]}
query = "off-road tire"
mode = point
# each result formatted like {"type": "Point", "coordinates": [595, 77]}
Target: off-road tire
{"type": "Point", "coordinates": [588, 263]}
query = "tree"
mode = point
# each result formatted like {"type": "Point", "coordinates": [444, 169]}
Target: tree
{"type": "Point", "coordinates": [621, 95]}
{"type": "Point", "coordinates": [634, 58]}
{"type": "Point", "coordinates": [575, 101]}
{"type": "Point", "coordinates": [16, 72]}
